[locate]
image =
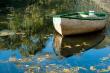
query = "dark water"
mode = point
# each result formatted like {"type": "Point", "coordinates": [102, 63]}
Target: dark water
{"type": "Point", "coordinates": [36, 53]}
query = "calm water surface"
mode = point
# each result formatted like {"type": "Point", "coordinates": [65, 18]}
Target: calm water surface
{"type": "Point", "coordinates": [36, 53]}
{"type": "Point", "coordinates": [87, 53]}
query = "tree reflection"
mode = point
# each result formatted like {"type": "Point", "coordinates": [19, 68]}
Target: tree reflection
{"type": "Point", "coordinates": [28, 45]}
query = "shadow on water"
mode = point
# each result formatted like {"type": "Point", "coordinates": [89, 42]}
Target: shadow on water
{"type": "Point", "coordinates": [75, 44]}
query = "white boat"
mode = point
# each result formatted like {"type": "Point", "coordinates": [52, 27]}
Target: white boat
{"type": "Point", "coordinates": [79, 22]}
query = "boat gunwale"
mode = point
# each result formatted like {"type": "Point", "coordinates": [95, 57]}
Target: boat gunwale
{"type": "Point", "coordinates": [101, 16]}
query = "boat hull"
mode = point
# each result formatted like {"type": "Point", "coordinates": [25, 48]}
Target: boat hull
{"type": "Point", "coordinates": [75, 26]}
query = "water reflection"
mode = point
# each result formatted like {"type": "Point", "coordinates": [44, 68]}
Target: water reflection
{"type": "Point", "coordinates": [36, 53]}
{"type": "Point", "coordinates": [27, 46]}
{"type": "Point", "coordinates": [75, 44]}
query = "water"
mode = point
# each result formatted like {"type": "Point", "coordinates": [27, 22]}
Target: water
{"type": "Point", "coordinates": [79, 54]}
{"type": "Point", "coordinates": [23, 50]}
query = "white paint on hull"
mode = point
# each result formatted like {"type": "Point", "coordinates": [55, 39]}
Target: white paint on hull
{"type": "Point", "coordinates": [57, 24]}
{"type": "Point", "coordinates": [65, 26]}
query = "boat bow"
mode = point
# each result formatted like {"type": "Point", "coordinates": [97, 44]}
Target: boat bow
{"type": "Point", "coordinates": [57, 24]}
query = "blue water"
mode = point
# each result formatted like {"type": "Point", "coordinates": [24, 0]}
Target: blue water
{"type": "Point", "coordinates": [97, 58]}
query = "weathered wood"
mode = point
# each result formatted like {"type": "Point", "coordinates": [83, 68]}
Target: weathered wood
{"type": "Point", "coordinates": [74, 26]}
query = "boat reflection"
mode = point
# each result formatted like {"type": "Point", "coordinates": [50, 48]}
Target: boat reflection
{"type": "Point", "coordinates": [74, 44]}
